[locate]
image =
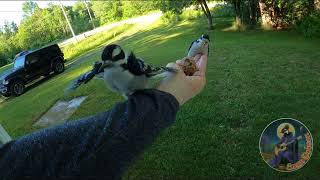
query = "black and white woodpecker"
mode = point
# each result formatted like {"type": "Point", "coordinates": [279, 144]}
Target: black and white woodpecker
{"type": "Point", "coordinates": [123, 73]}
{"type": "Point", "coordinates": [199, 46]}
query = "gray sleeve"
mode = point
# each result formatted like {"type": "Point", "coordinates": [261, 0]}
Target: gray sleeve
{"type": "Point", "coordinates": [97, 147]}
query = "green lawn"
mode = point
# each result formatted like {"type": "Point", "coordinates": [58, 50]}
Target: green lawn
{"type": "Point", "coordinates": [6, 67]}
{"type": "Point", "coordinates": [253, 78]}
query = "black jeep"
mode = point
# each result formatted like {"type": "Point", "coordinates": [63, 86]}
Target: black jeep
{"type": "Point", "coordinates": [29, 66]}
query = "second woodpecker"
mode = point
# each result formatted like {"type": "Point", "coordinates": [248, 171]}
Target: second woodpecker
{"type": "Point", "coordinates": [199, 46]}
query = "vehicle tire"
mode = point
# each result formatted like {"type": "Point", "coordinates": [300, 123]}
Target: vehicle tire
{"type": "Point", "coordinates": [58, 67]}
{"type": "Point", "coordinates": [7, 94]}
{"type": "Point", "coordinates": [17, 88]}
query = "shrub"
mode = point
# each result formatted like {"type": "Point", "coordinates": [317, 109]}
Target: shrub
{"type": "Point", "coordinates": [223, 10]}
{"type": "Point", "coordinates": [310, 25]}
{"type": "Point", "coordinates": [190, 14]}
{"type": "Point", "coordinates": [170, 17]}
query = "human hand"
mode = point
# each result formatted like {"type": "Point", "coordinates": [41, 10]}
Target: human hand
{"type": "Point", "coordinates": [184, 87]}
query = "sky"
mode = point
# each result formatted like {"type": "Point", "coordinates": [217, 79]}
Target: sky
{"type": "Point", "coordinates": [12, 10]}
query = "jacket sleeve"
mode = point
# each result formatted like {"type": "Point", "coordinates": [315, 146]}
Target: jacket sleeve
{"type": "Point", "coordinates": [97, 147]}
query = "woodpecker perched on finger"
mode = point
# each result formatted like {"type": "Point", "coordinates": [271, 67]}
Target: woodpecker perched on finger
{"type": "Point", "coordinates": [126, 74]}
{"type": "Point", "coordinates": [199, 46]}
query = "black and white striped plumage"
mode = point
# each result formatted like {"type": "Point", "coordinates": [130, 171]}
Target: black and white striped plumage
{"type": "Point", "coordinates": [127, 74]}
{"type": "Point", "coordinates": [199, 46]}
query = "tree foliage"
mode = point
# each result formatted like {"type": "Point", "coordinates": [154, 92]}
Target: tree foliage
{"type": "Point", "coordinates": [114, 10]}
{"type": "Point", "coordinates": [41, 26]}
{"type": "Point", "coordinates": [176, 7]}
{"type": "Point", "coordinates": [107, 11]}
{"type": "Point", "coordinates": [29, 8]}
{"type": "Point", "coordinates": [273, 13]}
{"type": "Point", "coordinates": [173, 6]}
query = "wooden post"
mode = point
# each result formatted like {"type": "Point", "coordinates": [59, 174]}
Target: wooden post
{"type": "Point", "coordinates": [4, 136]}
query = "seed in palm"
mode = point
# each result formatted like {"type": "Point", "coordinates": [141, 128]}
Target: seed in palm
{"type": "Point", "coordinates": [189, 66]}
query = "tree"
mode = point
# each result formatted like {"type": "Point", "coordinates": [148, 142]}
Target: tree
{"type": "Point", "coordinates": [283, 13]}
{"type": "Point", "coordinates": [237, 10]}
{"type": "Point", "coordinates": [9, 29]}
{"type": "Point", "coordinates": [29, 8]}
{"type": "Point", "coordinates": [253, 11]}
{"type": "Point", "coordinates": [317, 5]}
{"type": "Point", "coordinates": [133, 8]}
{"type": "Point", "coordinates": [206, 11]}
{"type": "Point", "coordinates": [79, 17]}
{"type": "Point", "coordinates": [177, 7]}
{"type": "Point", "coordinates": [42, 27]}
{"type": "Point", "coordinates": [107, 11]}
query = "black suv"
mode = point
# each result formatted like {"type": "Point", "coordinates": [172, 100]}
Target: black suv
{"type": "Point", "coordinates": [29, 66]}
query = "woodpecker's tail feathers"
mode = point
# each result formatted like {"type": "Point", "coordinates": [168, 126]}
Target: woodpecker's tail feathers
{"type": "Point", "coordinates": [86, 77]}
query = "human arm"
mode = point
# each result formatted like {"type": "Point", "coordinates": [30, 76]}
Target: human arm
{"type": "Point", "coordinates": [98, 147]}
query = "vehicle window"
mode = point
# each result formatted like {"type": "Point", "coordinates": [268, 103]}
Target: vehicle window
{"type": "Point", "coordinates": [19, 62]}
{"type": "Point", "coordinates": [32, 59]}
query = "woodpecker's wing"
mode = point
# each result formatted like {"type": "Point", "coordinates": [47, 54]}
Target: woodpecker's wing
{"type": "Point", "coordinates": [137, 66]}
{"type": "Point", "coordinates": [191, 45]}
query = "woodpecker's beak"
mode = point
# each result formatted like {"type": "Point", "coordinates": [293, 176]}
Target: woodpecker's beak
{"type": "Point", "coordinates": [104, 65]}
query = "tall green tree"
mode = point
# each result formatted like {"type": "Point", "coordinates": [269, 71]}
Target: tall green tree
{"type": "Point", "coordinates": [43, 27]}
{"type": "Point", "coordinates": [9, 28]}
{"type": "Point", "coordinates": [283, 13]}
{"type": "Point", "coordinates": [107, 11]}
{"type": "Point", "coordinates": [29, 8]}
{"type": "Point", "coordinates": [177, 7]}
{"type": "Point", "coordinates": [79, 17]}
{"type": "Point", "coordinates": [134, 8]}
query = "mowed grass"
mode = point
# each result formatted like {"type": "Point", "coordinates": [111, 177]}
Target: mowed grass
{"type": "Point", "coordinates": [253, 78]}
{"type": "Point", "coordinates": [6, 67]}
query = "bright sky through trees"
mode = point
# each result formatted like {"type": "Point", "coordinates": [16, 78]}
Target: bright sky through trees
{"type": "Point", "coordinates": [12, 10]}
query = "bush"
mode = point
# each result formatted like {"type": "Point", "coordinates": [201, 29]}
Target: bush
{"type": "Point", "coordinates": [310, 25]}
{"type": "Point", "coordinates": [170, 17]}
{"type": "Point", "coordinates": [223, 10]}
{"type": "Point", "coordinates": [190, 14]}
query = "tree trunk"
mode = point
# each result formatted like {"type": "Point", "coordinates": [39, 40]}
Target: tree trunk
{"type": "Point", "coordinates": [206, 11]}
{"type": "Point", "coordinates": [237, 9]}
{"type": "Point", "coordinates": [203, 9]}
{"type": "Point", "coordinates": [266, 21]}
{"type": "Point", "coordinates": [317, 5]}
{"type": "Point", "coordinates": [253, 12]}
{"type": "Point", "coordinates": [209, 14]}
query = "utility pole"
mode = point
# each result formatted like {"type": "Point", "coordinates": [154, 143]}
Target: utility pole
{"type": "Point", "coordinates": [65, 15]}
{"type": "Point", "coordinates": [85, 2]}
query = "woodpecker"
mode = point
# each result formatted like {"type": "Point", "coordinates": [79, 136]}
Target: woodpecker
{"type": "Point", "coordinates": [123, 73]}
{"type": "Point", "coordinates": [199, 46]}
{"type": "Point", "coordinates": [126, 74]}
